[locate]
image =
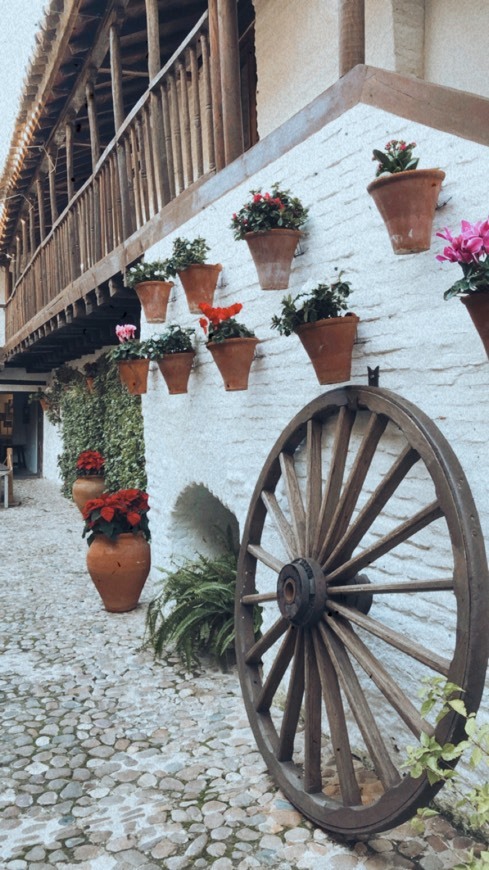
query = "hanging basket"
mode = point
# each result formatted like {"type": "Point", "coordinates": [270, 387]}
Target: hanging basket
{"type": "Point", "coordinates": [477, 304]}
{"type": "Point", "coordinates": [329, 345]}
{"type": "Point", "coordinates": [272, 254]}
{"type": "Point", "coordinates": [119, 569]}
{"type": "Point", "coordinates": [134, 375]}
{"type": "Point", "coordinates": [407, 203]}
{"type": "Point", "coordinates": [154, 296]}
{"type": "Point", "coordinates": [233, 358]}
{"type": "Point", "coordinates": [199, 282]}
{"type": "Point", "coordinates": [175, 368]}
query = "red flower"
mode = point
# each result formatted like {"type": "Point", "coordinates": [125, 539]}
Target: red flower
{"type": "Point", "coordinates": [257, 197]}
{"type": "Point", "coordinates": [107, 513]}
{"type": "Point", "coordinates": [90, 461]}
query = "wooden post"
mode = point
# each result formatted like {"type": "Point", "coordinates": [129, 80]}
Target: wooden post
{"type": "Point", "coordinates": [118, 102]}
{"type": "Point", "coordinates": [153, 28]}
{"type": "Point", "coordinates": [208, 113]}
{"type": "Point", "coordinates": [92, 123]}
{"type": "Point", "coordinates": [40, 207]}
{"type": "Point", "coordinates": [215, 65]}
{"type": "Point", "coordinates": [25, 243]}
{"type": "Point", "coordinates": [352, 34]}
{"type": "Point", "coordinates": [69, 160]}
{"type": "Point", "coordinates": [32, 228]}
{"type": "Point", "coordinates": [197, 126]}
{"type": "Point", "coordinates": [52, 187]}
{"type": "Point", "coordinates": [232, 117]}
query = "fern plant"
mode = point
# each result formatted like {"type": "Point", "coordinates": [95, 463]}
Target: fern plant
{"type": "Point", "coordinates": [194, 612]}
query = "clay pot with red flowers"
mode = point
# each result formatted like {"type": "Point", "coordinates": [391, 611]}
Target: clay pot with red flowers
{"type": "Point", "coordinates": [199, 278]}
{"type": "Point", "coordinates": [119, 555]}
{"type": "Point", "coordinates": [131, 358]}
{"type": "Point", "coordinates": [231, 344]}
{"type": "Point", "coordinates": [90, 481]}
{"type": "Point", "coordinates": [270, 224]}
{"type": "Point", "coordinates": [326, 334]}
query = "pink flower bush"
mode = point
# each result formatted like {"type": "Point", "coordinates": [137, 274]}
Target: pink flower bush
{"type": "Point", "coordinates": [470, 250]}
{"type": "Point", "coordinates": [125, 332]}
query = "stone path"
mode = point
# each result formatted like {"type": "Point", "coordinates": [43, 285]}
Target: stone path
{"type": "Point", "coordinates": [110, 760]}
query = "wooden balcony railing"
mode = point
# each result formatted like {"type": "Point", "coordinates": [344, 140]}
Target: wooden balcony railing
{"type": "Point", "coordinates": [164, 145]}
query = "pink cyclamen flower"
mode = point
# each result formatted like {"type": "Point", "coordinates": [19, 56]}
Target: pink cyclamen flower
{"type": "Point", "coordinates": [471, 246]}
{"type": "Point", "coordinates": [125, 332]}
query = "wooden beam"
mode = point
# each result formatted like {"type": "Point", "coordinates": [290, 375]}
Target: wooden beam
{"type": "Point", "coordinates": [92, 123]}
{"type": "Point", "coordinates": [153, 31]}
{"type": "Point", "coordinates": [352, 34]}
{"type": "Point", "coordinates": [69, 161]}
{"type": "Point", "coordinates": [52, 186]}
{"type": "Point", "coordinates": [116, 76]}
{"type": "Point", "coordinates": [215, 65]}
{"type": "Point", "coordinates": [232, 118]}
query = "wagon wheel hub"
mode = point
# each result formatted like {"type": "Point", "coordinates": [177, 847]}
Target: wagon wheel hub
{"type": "Point", "coordinates": [301, 592]}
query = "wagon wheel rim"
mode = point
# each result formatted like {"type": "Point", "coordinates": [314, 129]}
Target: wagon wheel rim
{"type": "Point", "coordinates": [318, 644]}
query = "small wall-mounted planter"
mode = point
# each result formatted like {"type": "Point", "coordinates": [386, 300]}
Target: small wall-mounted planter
{"type": "Point", "coordinates": [233, 357]}
{"type": "Point", "coordinates": [329, 345]}
{"type": "Point", "coordinates": [175, 368]}
{"type": "Point", "coordinates": [407, 203]}
{"type": "Point", "coordinates": [199, 282]}
{"type": "Point", "coordinates": [272, 254]}
{"type": "Point", "coordinates": [477, 304]}
{"type": "Point", "coordinates": [154, 296]}
{"type": "Point", "coordinates": [134, 375]}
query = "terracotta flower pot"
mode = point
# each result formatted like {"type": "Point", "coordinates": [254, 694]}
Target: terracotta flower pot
{"type": "Point", "coordinates": [199, 282]}
{"type": "Point", "coordinates": [175, 368]}
{"type": "Point", "coordinates": [86, 488]}
{"type": "Point", "coordinates": [329, 345]}
{"type": "Point", "coordinates": [44, 404]}
{"type": "Point", "coordinates": [154, 296]}
{"type": "Point", "coordinates": [233, 358]}
{"type": "Point", "coordinates": [477, 304]}
{"type": "Point", "coordinates": [407, 203]}
{"type": "Point", "coordinates": [134, 375]}
{"type": "Point", "coordinates": [272, 254]}
{"type": "Point", "coordinates": [119, 569]}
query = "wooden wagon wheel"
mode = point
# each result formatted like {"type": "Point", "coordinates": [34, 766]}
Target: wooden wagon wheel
{"type": "Point", "coordinates": [364, 551]}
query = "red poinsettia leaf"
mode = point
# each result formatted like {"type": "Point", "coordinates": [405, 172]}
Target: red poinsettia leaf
{"type": "Point", "coordinates": [133, 518]}
{"type": "Point", "coordinates": [107, 513]}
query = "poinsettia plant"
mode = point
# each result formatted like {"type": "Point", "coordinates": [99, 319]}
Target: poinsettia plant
{"type": "Point", "coordinates": [276, 209]}
{"type": "Point", "coordinates": [129, 346]}
{"type": "Point", "coordinates": [115, 513]}
{"type": "Point", "coordinates": [89, 462]}
{"type": "Point", "coordinates": [470, 250]}
{"type": "Point", "coordinates": [220, 323]}
{"type": "Point", "coordinates": [398, 157]}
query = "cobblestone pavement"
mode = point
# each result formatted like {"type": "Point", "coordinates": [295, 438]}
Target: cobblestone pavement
{"type": "Point", "coordinates": [110, 760]}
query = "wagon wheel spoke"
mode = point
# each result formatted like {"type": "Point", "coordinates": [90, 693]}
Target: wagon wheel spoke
{"type": "Point", "coordinates": [372, 508]}
{"type": "Point", "coordinates": [253, 656]}
{"type": "Point", "coordinates": [312, 720]}
{"type": "Point", "coordinates": [284, 528]}
{"type": "Point", "coordinates": [389, 542]}
{"type": "Point", "coordinates": [389, 688]}
{"type": "Point", "coordinates": [258, 598]}
{"type": "Point", "coordinates": [294, 498]}
{"type": "Point", "coordinates": [393, 638]}
{"type": "Point", "coordinates": [332, 490]}
{"type": "Point", "coordinates": [293, 704]}
{"type": "Point", "coordinates": [313, 488]}
{"type": "Point", "coordinates": [393, 588]}
{"type": "Point", "coordinates": [266, 558]}
{"type": "Point", "coordinates": [384, 767]}
{"type": "Point", "coordinates": [277, 671]}
{"type": "Point", "coordinates": [353, 486]}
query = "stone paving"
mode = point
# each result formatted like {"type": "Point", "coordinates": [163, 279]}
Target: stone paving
{"type": "Point", "coordinates": [110, 760]}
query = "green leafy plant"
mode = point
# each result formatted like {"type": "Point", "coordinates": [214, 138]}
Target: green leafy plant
{"type": "Point", "coordinates": [186, 253]}
{"type": "Point", "coordinates": [194, 612]}
{"type": "Point", "coordinates": [325, 300]}
{"type": "Point", "coordinates": [155, 270]}
{"type": "Point", "coordinates": [268, 211]}
{"type": "Point", "coordinates": [398, 157]}
{"type": "Point", "coordinates": [175, 339]}
{"type": "Point", "coordinates": [220, 323]}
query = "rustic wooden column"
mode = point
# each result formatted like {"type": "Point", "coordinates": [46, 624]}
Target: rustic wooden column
{"type": "Point", "coordinates": [153, 28]}
{"type": "Point", "coordinates": [69, 160]}
{"type": "Point", "coordinates": [232, 117]}
{"type": "Point", "coordinates": [119, 115]}
{"type": "Point", "coordinates": [215, 64]}
{"type": "Point", "coordinates": [25, 243]}
{"type": "Point", "coordinates": [32, 228]}
{"type": "Point", "coordinates": [352, 34]}
{"type": "Point", "coordinates": [92, 123]}
{"type": "Point", "coordinates": [40, 206]}
{"type": "Point", "coordinates": [52, 187]}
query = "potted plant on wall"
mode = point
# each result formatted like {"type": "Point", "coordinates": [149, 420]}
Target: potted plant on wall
{"type": "Point", "coordinates": [326, 335]}
{"type": "Point", "coordinates": [270, 224]}
{"type": "Point", "coordinates": [119, 555]}
{"type": "Point", "coordinates": [199, 279]}
{"type": "Point", "coordinates": [131, 358]}
{"type": "Point", "coordinates": [90, 481]}
{"type": "Point", "coordinates": [471, 251]}
{"type": "Point", "coordinates": [150, 281]}
{"type": "Point", "coordinates": [174, 353]}
{"type": "Point", "coordinates": [405, 196]}
{"type": "Point", "coordinates": [231, 344]}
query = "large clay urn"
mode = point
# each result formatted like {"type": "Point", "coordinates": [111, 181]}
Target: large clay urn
{"type": "Point", "coordinates": [154, 296]}
{"type": "Point", "coordinates": [329, 345]}
{"type": "Point", "coordinates": [199, 282]}
{"type": "Point", "coordinates": [407, 202]}
{"type": "Point", "coordinates": [87, 487]}
{"type": "Point", "coordinates": [272, 254]}
{"type": "Point", "coordinates": [233, 358]}
{"type": "Point", "coordinates": [175, 368]}
{"type": "Point", "coordinates": [134, 375]}
{"type": "Point", "coordinates": [119, 569]}
{"type": "Point", "coordinates": [477, 304]}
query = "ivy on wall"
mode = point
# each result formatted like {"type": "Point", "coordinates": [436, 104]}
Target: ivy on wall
{"type": "Point", "coordinates": [106, 418]}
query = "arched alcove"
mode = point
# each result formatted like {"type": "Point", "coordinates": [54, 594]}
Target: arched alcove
{"type": "Point", "coordinates": [201, 524]}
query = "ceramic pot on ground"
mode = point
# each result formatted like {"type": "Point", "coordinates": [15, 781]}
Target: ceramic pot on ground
{"type": "Point", "coordinates": [233, 358]}
{"type": "Point", "coordinates": [477, 304]}
{"type": "Point", "coordinates": [154, 296]}
{"type": "Point", "coordinates": [272, 254]}
{"type": "Point", "coordinates": [86, 488]}
{"type": "Point", "coordinates": [329, 345]}
{"type": "Point", "coordinates": [199, 282]}
{"type": "Point", "coordinates": [175, 368]}
{"type": "Point", "coordinates": [134, 375]}
{"type": "Point", "coordinates": [119, 569]}
{"type": "Point", "coordinates": [407, 202]}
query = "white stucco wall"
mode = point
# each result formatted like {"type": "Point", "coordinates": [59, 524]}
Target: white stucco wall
{"type": "Point", "coordinates": [456, 51]}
